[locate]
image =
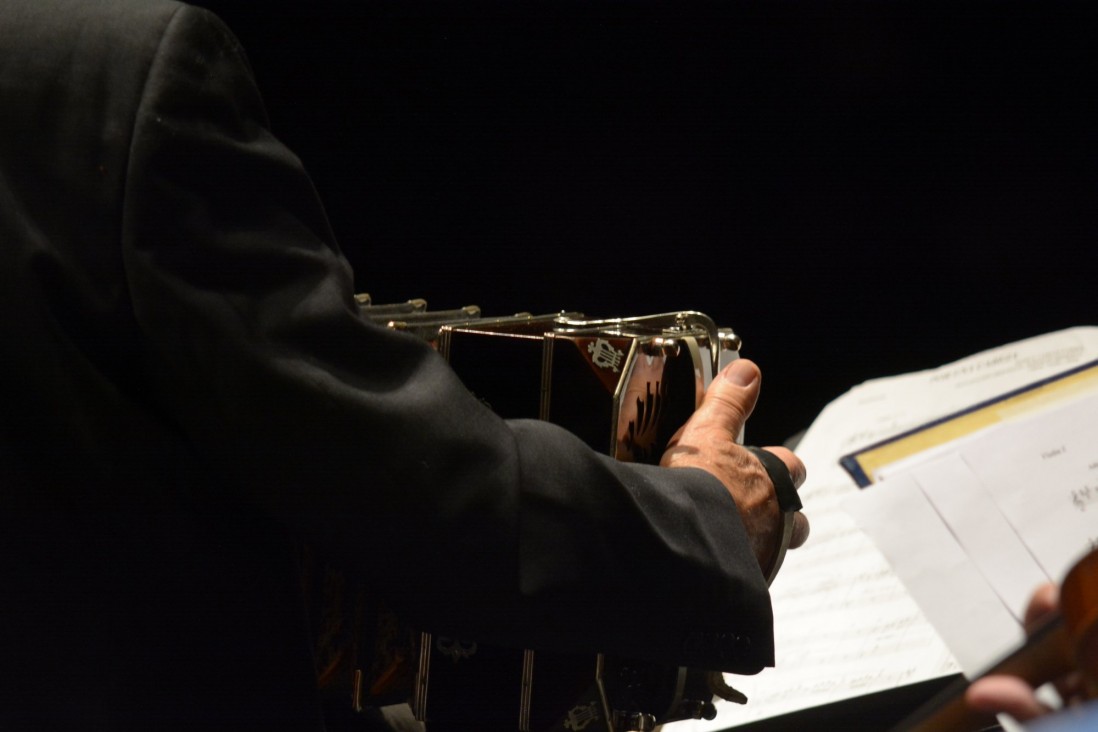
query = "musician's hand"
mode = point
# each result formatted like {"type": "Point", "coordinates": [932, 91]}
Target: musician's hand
{"type": "Point", "coordinates": [708, 441]}
{"type": "Point", "coordinates": [1003, 694]}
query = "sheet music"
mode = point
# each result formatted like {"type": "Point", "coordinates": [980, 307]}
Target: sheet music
{"type": "Point", "coordinates": [956, 597]}
{"type": "Point", "coordinates": [960, 500]}
{"type": "Point", "coordinates": [844, 624]}
{"type": "Point", "coordinates": [987, 522]}
{"type": "Point", "coordinates": [1043, 475]}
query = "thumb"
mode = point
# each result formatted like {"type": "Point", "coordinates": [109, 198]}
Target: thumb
{"type": "Point", "coordinates": [731, 397]}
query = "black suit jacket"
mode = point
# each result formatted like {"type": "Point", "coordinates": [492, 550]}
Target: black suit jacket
{"type": "Point", "coordinates": [188, 391]}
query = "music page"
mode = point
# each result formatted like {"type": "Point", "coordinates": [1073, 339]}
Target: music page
{"type": "Point", "coordinates": [845, 625]}
{"type": "Point", "coordinates": [1042, 474]}
{"type": "Point", "coordinates": [958, 600]}
{"type": "Point", "coordinates": [972, 532]}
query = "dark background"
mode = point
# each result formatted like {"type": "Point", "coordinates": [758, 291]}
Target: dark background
{"type": "Point", "coordinates": [858, 189]}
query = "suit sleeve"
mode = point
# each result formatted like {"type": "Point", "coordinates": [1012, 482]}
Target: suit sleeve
{"type": "Point", "coordinates": [363, 440]}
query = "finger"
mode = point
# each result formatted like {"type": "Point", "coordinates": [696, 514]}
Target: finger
{"type": "Point", "coordinates": [731, 397]}
{"type": "Point", "coordinates": [797, 474]}
{"type": "Point", "coordinates": [800, 530]}
{"type": "Point", "coordinates": [1042, 603]}
{"type": "Point", "coordinates": [1004, 694]}
{"type": "Point", "coordinates": [793, 464]}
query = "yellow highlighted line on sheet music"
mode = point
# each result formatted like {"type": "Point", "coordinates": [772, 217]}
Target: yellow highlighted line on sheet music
{"type": "Point", "coordinates": [1062, 389]}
